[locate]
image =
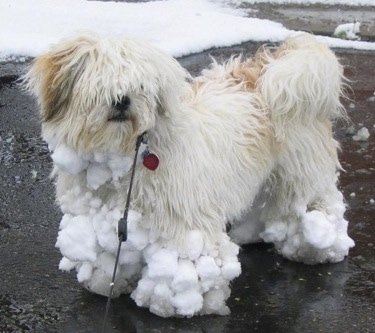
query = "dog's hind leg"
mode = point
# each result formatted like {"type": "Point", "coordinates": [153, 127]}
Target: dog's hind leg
{"type": "Point", "coordinates": [300, 85]}
{"type": "Point", "coordinates": [304, 215]}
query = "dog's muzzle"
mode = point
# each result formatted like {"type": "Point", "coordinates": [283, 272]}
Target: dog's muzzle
{"type": "Point", "coordinates": [121, 110]}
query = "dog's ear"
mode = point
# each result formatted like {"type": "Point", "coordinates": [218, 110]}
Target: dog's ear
{"type": "Point", "coordinates": [51, 78]}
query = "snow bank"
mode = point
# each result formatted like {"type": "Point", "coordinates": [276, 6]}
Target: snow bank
{"type": "Point", "coordinates": [197, 24]}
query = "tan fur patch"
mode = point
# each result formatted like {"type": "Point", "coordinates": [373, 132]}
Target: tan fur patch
{"type": "Point", "coordinates": [57, 84]}
{"type": "Point", "coordinates": [45, 66]}
{"type": "Point", "coordinates": [250, 70]}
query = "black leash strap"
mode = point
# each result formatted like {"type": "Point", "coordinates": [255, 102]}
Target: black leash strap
{"type": "Point", "coordinates": [123, 225]}
{"type": "Point", "coordinates": [123, 222]}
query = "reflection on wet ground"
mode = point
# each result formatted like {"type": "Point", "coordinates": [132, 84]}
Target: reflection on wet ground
{"type": "Point", "coordinates": [272, 294]}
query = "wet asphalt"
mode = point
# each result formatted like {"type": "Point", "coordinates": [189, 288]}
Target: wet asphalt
{"type": "Point", "coordinates": [271, 295]}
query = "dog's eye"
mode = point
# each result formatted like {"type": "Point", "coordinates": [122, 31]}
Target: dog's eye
{"type": "Point", "coordinates": [121, 110]}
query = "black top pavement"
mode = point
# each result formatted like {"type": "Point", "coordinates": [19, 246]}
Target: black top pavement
{"type": "Point", "coordinates": [271, 295]}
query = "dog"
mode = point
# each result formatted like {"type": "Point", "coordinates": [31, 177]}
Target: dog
{"type": "Point", "coordinates": [248, 143]}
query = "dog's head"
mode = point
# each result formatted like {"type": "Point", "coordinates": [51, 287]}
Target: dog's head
{"type": "Point", "coordinates": [98, 94]}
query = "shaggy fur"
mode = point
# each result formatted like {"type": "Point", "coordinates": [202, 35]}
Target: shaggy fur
{"type": "Point", "coordinates": [247, 138]}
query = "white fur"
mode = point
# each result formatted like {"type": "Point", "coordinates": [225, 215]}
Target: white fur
{"type": "Point", "coordinates": [228, 150]}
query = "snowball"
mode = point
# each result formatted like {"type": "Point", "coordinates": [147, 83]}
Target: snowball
{"type": "Point", "coordinates": [77, 240]}
{"type": "Point", "coordinates": [84, 272]}
{"type": "Point", "coordinates": [96, 157]}
{"type": "Point", "coordinates": [150, 250]}
{"type": "Point", "coordinates": [97, 175]}
{"type": "Point", "coordinates": [207, 268]}
{"type": "Point", "coordinates": [318, 230]}
{"type": "Point", "coordinates": [133, 220]}
{"type": "Point", "coordinates": [160, 303]}
{"type": "Point", "coordinates": [105, 232]}
{"type": "Point", "coordinates": [95, 203]}
{"type": "Point", "coordinates": [342, 245]}
{"type": "Point", "coordinates": [362, 135]}
{"type": "Point", "coordinates": [163, 264]}
{"type": "Point", "coordinates": [106, 261]}
{"type": "Point", "coordinates": [119, 165]}
{"type": "Point", "coordinates": [66, 219]}
{"type": "Point", "coordinates": [186, 277]}
{"type": "Point", "coordinates": [194, 244]}
{"type": "Point", "coordinates": [75, 202]}
{"type": "Point", "coordinates": [143, 293]}
{"type": "Point", "coordinates": [275, 231]}
{"type": "Point", "coordinates": [229, 250]}
{"type": "Point", "coordinates": [138, 239]}
{"type": "Point", "coordinates": [231, 270]}
{"type": "Point", "coordinates": [66, 264]}
{"type": "Point", "coordinates": [99, 283]}
{"type": "Point", "coordinates": [68, 160]}
{"type": "Point", "coordinates": [207, 284]}
{"type": "Point", "coordinates": [188, 302]}
{"type": "Point", "coordinates": [214, 303]}
{"type": "Point", "coordinates": [288, 249]}
{"type": "Point", "coordinates": [129, 257]}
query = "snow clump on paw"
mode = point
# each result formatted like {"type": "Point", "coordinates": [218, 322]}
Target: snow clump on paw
{"type": "Point", "coordinates": [312, 236]}
{"type": "Point", "coordinates": [187, 282]}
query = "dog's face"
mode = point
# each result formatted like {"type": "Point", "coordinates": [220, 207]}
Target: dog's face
{"type": "Point", "coordinates": [99, 94]}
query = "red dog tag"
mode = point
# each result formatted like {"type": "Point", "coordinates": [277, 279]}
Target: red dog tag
{"type": "Point", "coordinates": [151, 161]}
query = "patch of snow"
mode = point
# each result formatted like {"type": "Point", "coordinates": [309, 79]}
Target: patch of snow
{"type": "Point", "coordinates": [362, 135]}
{"type": "Point", "coordinates": [349, 31]}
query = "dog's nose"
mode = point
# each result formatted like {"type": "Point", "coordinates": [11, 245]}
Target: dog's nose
{"type": "Point", "coordinates": [123, 104]}
{"type": "Point", "coordinates": [120, 112]}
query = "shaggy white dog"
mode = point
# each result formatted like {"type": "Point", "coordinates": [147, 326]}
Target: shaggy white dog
{"type": "Point", "coordinates": [248, 142]}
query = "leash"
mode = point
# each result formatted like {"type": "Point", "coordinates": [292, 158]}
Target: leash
{"type": "Point", "coordinates": [123, 225]}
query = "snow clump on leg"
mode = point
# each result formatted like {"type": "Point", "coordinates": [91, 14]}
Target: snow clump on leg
{"type": "Point", "coordinates": [188, 281]}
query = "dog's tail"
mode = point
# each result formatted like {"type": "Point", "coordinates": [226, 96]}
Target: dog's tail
{"type": "Point", "coordinates": [300, 81]}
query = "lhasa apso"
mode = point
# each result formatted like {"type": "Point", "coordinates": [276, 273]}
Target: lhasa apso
{"type": "Point", "coordinates": [248, 143]}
